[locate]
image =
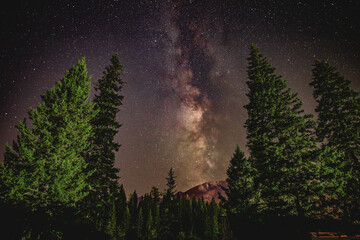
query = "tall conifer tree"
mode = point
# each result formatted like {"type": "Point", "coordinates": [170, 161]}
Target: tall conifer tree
{"type": "Point", "coordinates": [240, 191]}
{"type": "Point", "coordinates": [112, 228]}
{"type": "Point", "coordinates": [46, 165]}
{"type": "Point", "coordinates": [240, 203]}
{"type": "Point", "coordinates": [105, 125]}
{"type": "Point", "coordinates": [171, 190]}
{"type": "Point", "coordinates": [139, 224]}
{"type": "Point", "coordinates": [169, 223]}
{"type": "Point", "coordinates": [338, 127]}
{"type": "Point", "coordinates": [45, 170]}
{"type": "Point", "coordinates": [212, 224]}
{"type": "Point", "coordinates": [102, 158]}
{"type": "Point", "coordinates": [280, 140]}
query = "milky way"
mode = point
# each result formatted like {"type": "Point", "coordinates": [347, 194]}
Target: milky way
{"type": "Point", "coordinates": [189, 71]}
{"type": "Point", "coordinates": [185, 68]}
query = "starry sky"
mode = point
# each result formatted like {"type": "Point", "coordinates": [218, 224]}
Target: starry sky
{"type": "Point", "coordinates": [185, 68]}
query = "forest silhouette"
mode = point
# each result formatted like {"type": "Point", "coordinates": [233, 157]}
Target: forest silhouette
{"type": "Point", "coordinates": [302, 175]}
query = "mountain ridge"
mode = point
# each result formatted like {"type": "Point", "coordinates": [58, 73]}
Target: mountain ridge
{"type": "Point", "coordinates": [207, 190]}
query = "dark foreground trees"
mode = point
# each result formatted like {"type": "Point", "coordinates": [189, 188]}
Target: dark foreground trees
{"type": "Point", "coordinates": [105, 125]}
{"type": "Point", "coordinates": [288, 181]}
{"type": "Point", "coordinates": [101, 160]}
{"type": "Point", "coordinates": [150, 217]}
{"type": "Point", "coordinates": [58, 180]}
{"type": "Point", "coordinates": [63, 166]}
{"type": "Point", "coordinates": [240, 202]}
{"type": "Point", "coordinates": [281, 142]}
{"type": "Point", "coordinates": [241, 197]}
{"type": "Point", "coordinates": [338, 128]}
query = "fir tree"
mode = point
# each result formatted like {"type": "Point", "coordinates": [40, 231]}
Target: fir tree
{"type": "Point", "coordinates": [200, 218]}
{"type": "Point", "coordinates": [134, 211]}
{"type": "Point", "coordinates": [102, 158]}
{"type": "Point", "coordinates": [240, 191]}
{"type": "Point", "coordinates": [124, 226]}
{"type": "Point", "coordinates": [45, 170]}
{"type": "Point", "coordinates": [212, 225]}
{"type": "Point", "coordinates": [155, 194]}
{"type": "Point", "coordinates": [122, 195]}
{"type": "Point", "coordinates": [105, 125]}
{"type": "Point", "coordinates": [139, 225]}
{"type": "Point", "coordinates": [156, 220]}
{"type": "Point", "coordinates": [46, 166]}
{"type": "Point", "coordinates": [171, 190]}
{"type": "Point", "coordinates": [150, 228]}
{"type": "Point", "coordinates": [280, 140]}
{"type": "Point", "coordinates": [338, 127]}
{"type": "Point", "coordinates": [186, 216]}
{"type": "Point", "coordinates": [122, 213]}
{"type": "Point", "coordinates": [133, 204]}
{"type": "Point", "coordinates": [112, 227]}
{"type": "Point", "coordinates": [169, 223]}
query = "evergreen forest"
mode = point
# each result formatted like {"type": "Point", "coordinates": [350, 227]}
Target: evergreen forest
{"type": "Point", "coordinates": [58, 179]}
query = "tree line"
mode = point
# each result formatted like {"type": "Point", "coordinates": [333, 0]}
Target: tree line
{"type": "Point", "coordinates": [298, 169]}
{"type": "Point", "coordinates": [58, 179]}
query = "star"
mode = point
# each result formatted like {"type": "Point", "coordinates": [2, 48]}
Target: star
{"type": "Point", "coordinates": [184, 67]}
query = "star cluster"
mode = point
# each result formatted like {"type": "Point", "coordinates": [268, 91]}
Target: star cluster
{"type": "Point", "coordinates": [185, 68]}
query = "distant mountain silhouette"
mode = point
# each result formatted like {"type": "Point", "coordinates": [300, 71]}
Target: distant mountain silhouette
{"type": "Point", "coordinates": [206, 190]}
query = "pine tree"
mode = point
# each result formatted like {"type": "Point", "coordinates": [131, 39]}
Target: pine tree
{"type": "Point", "coordinates": [280, 140]}
{"type": "Point", "coordinates": [46, 166]}
{"type": "Point", "coordinates": [122, 213]}
{"type": "Point", "coordinates": [150, 227]}
{"type": "Point", "coordinates": [332, 179]}
{"type": "Point", "coordinates": [122, 195]}
{"type": "Point", "coordinates": [124, 226]}
{"type": "Point", "coordinates": [112, 227]}
{"type": "Point", "coordinates": [134, 211]}
{"type": "Point", "coordinates": [171, 190]}
{"type": "Point", "coordinates": [45, 170]}
{"type": "Point", "coordinates": [240, 191]}
{"type": "Point", "coordinates": [186, 218]}
{"type": "Point", "coordinates": [155, 194]}
{"type": "Point", "coordinates": [156, 219]}
{"type": "Point", "coordinates": [102, 157]}
{"type": "Point", "coordinates": [169, 223]}
{"type": "Point", "coordinates": [133, 204]}
{"type": "Point", "coordinates": [212, 225]}
{"type": "Point", "coordinates": [338, 127]}
{"type": "Point", "coordinates": [139, 225]}
{"type": "Point", "coordinates": [200, 218]}
{"type": "Point", "coordinates": [105, 125]}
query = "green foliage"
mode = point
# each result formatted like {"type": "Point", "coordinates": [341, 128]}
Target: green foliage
{"type": "Point", "coordinates": [63, 165]}
{"type": "Point", "coordinates": [332, 180]}
{"type": "Point", "coordinates": [105, 126]}
{"type": "Point", "coordinates": [102, 158]}
{"type": "Point", "coordinates": [186, 216]}
{"type": "Point", "coordinates": [171, 190]}
{"type": "Point", "coordinates": [212, 217]}
{"type": "Point", "coordinates": [150, 227]}
{"type": "Point", "coordinates": [112, 223]}
{"type": "Point", "coordinates": [44, 173]}
{"type": "Point", "coordinates": [125, 222]}
{"type": "Point", "coordinates": [338, 128]}
{"type": "Point", "coordinates": [240, 192]}
{"type": "Point", "coordinates": [45, 168]}
{"type": "Point", "coordinates": [280, 140]}
{"type": "Point", "coordinates": [155, 194]}
{"type": "Point", "coordinates": [139, 225]}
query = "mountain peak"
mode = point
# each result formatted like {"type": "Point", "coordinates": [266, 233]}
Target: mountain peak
{"type": "Point", "coordinates": [207, 190]}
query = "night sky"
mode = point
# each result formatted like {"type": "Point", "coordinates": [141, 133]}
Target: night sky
{"type": "Point", "coordinates": [185, 68]}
